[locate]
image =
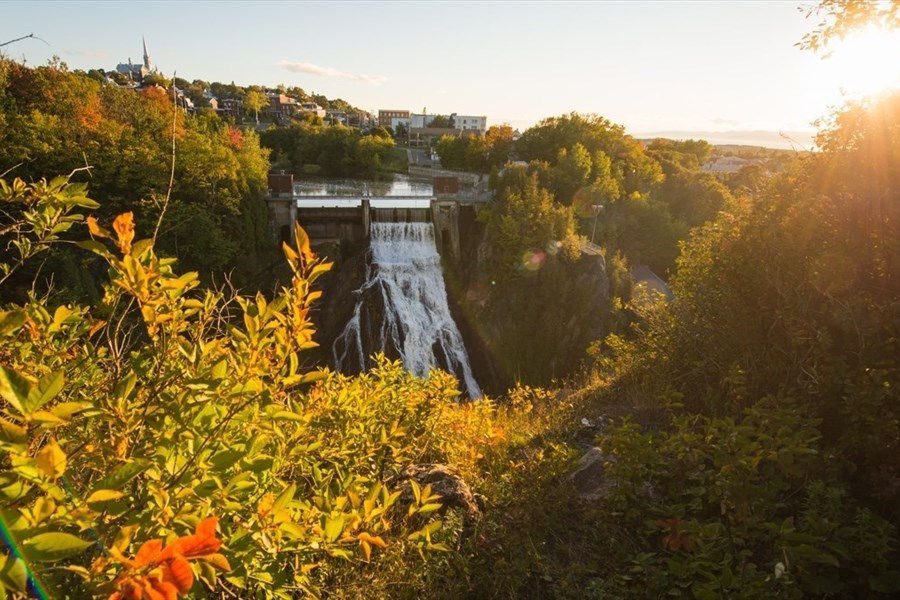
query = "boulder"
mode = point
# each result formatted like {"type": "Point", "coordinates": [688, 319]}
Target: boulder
{"type": "Point", "coordinates": [444, 481]}
{"type": "Point", "coordinates": [589, 475]}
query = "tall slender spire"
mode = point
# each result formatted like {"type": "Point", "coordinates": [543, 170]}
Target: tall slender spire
{"type": "Point", "coordinates": [146, 55]}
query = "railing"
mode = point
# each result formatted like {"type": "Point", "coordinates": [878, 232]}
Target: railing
{"type": "Point", "coordinates": [591, 248]}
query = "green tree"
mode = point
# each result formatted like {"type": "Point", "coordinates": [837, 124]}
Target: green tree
{"type": "Point", "coordinates": [255, 100]}
{"type": "Point", "coordinates": [525, 217]}
{"type": "Point", "coordinates": [441, 122]}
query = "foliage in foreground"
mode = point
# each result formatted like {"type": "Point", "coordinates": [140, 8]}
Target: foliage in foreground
{"type": "Point", "coordinates": [169, 440]}
{"type": "Point", "coordinates": [760, 455]}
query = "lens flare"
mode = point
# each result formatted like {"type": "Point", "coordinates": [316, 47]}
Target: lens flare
{"type": "Point", "coordinates": [533, 260]}
{"type": "Point", "coordinates": [584, 203]}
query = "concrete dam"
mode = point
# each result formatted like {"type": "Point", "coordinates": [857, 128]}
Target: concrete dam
{"type": "Point", "coordinates": [392, 247]}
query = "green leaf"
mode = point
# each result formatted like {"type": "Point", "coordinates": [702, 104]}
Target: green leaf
{"type": "Point", "coordinates": [16, 490]}
{"type": "Point", "coordinates": [46, 389]}
{"type": "Point", "coordinates": [11, 321]}
{"type": "Point", "coordinates": [118, 478]}
{"type": "Point", "coordinates": [51, 547]}
{"type": "Point", "coordinates": [284, 497]}
{"type": "Point", "coordinates": [95, 247]}
{"type": "Point", "coordinates": [65, 410]}
{"type": "Point", "coordinates": [141, 246]}
{"type": "Point", "coordinates": [125, 386]}
{"type": "Point", "coordinates": [293, 530]}
{"type": "Point", "coordinates": [14, 389]}
{"type": "Point", "coordinates": [286, 415]}
{"type": "Point", "coordinates": [225, 459]}
{"type": "Point", "coordinates": [432, 527]}
{"type": "Point", "coordinates": [334, 526]}
{"type": "Point", "coordinates": [14, 574]}
{"type": "Point", "coordinates": [260, 464]}
{"type": "Point", "coordinates": [427, 508]}
{"type": "Point", "coordinates": [220, 370]}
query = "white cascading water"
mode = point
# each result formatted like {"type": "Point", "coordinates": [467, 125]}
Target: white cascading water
{"type": "Point", "coordinates": [405, 283]}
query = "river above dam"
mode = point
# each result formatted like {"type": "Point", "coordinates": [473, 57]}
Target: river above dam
{"type": "Point", "coordinates": [400, 185]}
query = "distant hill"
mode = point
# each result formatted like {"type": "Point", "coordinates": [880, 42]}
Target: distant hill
{"type": "Point", "coordinates": [798, 140]}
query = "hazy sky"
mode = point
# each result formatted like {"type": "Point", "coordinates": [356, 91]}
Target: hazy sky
{"type": "Point", "coordinates": [651, 66]}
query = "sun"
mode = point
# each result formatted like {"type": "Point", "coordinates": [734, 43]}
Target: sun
{"type": "Point", "coordinates": [866, 62]}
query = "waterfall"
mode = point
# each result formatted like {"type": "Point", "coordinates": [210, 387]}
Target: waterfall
{"type": "Point", "coordinates": [402, 310]}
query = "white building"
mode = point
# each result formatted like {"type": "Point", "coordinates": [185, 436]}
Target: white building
{"type": "Point", "coordinates": [420, 121]}
{"type": "Point", "coordinates": [405, 121]}
{"type": "Point", "coordinates": [468, 123]}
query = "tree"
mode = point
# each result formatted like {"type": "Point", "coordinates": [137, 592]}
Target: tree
{"type": "Point", "coordinates": [441, 122]}
{"type": "Point", "coordinates": [839, 17]}
{"type": "Point", "coordinates": [524, 218]}
{"type": "Point", "coordinates": [154, 79]}
{"type": "Point", "coordinates": [255, 100]}
{"type": "Point", "coordinates": [499, 139]}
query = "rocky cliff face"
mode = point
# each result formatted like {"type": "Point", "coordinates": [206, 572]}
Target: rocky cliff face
{"type": "Point", "coordinates": [530, 330]}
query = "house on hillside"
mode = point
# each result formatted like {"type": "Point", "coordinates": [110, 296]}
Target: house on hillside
{"type": "Point", "coordinates": [313, 109]}
{"type": "Point", "coordinates": [281, 106]}
{"type": "Point", "coordinates": [470, 123]}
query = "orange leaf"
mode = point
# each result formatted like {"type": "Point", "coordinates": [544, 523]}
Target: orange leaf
{"type": "Point", "coordinates": [178, 572]}
{"type": "Point", "coordinates": [124, 226]}
{"type": "Point", "coordinates": [151, 593]}
{"type": "Point", "coordinates": [372, 539]}
{"type": "Point", "coordinates": [202, 543]}
{"type": "Point", "coordinates": [207, 527]}
{"type": "Point", "coordinates": [147, 553]}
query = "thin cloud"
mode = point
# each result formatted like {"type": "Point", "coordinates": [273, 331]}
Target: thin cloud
{"type": "Point", "coordinates": [330, 73]}
{"type": "Point", "coordinates": [88, 53]}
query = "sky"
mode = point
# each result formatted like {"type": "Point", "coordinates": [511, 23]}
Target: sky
{"type": "Point", "coordinates": [650, 66]}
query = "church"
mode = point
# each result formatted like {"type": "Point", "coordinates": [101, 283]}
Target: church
{"type": "Point", "coordinates": [137, 72]}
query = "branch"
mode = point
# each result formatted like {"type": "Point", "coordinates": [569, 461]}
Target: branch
{"type": "Point", "coordinates": [172, 172]}
{"type": "Point", "coordinates": [9, 170]}
{"type": "Point", "coordinates": [24, 37]}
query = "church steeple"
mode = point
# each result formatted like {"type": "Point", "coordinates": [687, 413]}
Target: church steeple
{"type": "Point", "coordinates": [147, 63]}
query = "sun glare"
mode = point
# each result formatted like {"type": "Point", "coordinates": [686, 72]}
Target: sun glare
{"type": "Point", "coordinates": [865, 62]}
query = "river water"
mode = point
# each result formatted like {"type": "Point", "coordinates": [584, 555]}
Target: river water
{"type": "Point", "coordinates": [400, 185]}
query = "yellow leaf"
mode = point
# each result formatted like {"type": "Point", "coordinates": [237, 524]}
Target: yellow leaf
{"type": "Point", "coordinates": [303, 245]}
{"type": "Point", "coordinates": [431, 507]}
{"type": "Point", "coordinates": [265, 504]}
{"type": "Point", "coordinates": [104, 496]}
{"type": "Point", "coordinates": [51, 460]}
{"type": "Point", "coordinates": [95, 229]}
{"type": "Point", "coordinates": [367, 549]}
{"type": "Point", "coordinates": [123, 537]}
{"type": "Point", "coordinates": [124, 226]}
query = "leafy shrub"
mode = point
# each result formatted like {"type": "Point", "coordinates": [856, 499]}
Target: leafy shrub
{"type": "Point", "coordinates": [165, 411]}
